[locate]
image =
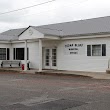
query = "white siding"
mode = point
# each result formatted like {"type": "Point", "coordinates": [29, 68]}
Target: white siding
{"type": "Point", "coordinates": [5, 46]}
{"type": "Point", "coordinates": [31, 33]}
{"type": "Point", "coordinates": [33, 53]}
{"type": "Point", "coordinates": [80, 62]}
{"type": "Point", "coordinates": [50, 43]}
{"type": "Point", "coordinates": [83, 62]}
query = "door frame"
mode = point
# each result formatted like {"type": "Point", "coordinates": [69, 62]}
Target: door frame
{"type": "Point", "coordinates": [50, 58]}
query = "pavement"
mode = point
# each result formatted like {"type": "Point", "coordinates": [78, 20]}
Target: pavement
{"type": "Point", "coordinates": [49, 92]}
{"type": "Point", "coordinates": [94, 75]}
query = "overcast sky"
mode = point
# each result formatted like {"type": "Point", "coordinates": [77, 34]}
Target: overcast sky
{"type": "Point", "coordinates": [54, 12]}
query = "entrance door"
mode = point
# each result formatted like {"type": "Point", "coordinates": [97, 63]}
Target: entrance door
{"type": "Point", "coordinates": [50, 58]}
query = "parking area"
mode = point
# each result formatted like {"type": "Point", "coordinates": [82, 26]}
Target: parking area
{"type": "Point", "coordinates": [45, 92]}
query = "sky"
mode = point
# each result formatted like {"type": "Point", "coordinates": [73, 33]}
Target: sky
{"type": "Point", "coordinates": [54, 12]}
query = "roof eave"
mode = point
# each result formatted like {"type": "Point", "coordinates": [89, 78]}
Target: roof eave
{"type": "Point", "coordinates": [88, 34]}
{"type": "Point", "coordinates": [24, 30]}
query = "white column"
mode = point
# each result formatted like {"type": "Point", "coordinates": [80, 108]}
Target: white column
{"type": "Point", "coordinates": [11, 52]}
{"type": "Point", "coordinates": [40, 55]}
{"type": "Point", "coordinates": [25, 67]}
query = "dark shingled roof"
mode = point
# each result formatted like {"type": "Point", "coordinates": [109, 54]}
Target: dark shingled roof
{"type": "Point", "coordinates": [81, 27]}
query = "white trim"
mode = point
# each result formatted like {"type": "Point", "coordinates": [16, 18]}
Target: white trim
{"type": "Point", "coordinates": [4, 42]}
{"type": "Point", "coordinates": [92, 51]}
{"type": "Point", "coordinates": [22, 41]}
{"type": "Point", "coordinates": [6, 53]}
{"type": "Point", "coordinates": [35, 34]}
{"type": "Point", "coordinates": [25, 56]}
{"type": "Point", "coordinates": [57, 38]}
{"type": "Point", "coordinates": [40, 55]}
{"type": "Point", "coordinates": [50, 58]}
{"type": "Point", "coordinates": [11, 53]}
{"type": "Point", "coordinates": [85, 37]}
{"type": "Point", "coordinates": [15, 53]}
{"type": "Point", "coordinates": [45, 66]}
{"type": "Point", "coordinates": [52, 37]}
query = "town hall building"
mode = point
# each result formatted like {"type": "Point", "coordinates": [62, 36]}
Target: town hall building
{"type": "Point", "coordinates": [82, 45]}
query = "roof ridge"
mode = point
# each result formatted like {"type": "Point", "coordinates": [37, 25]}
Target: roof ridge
{"type": "Point", "coordinates": [73, 21]}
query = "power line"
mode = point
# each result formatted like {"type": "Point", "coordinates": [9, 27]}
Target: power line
{"type": "Point", "coordinates": [35, 6]}
{"type": "Point", "coordinates": [39, 13]}
{"type": "Point", "coordinates": [20, 9]}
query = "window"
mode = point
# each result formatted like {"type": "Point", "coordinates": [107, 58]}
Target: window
{"type": "Point", "coordinates": [88, 50]}
{"type": "Point", "coordinates": [96, 50]}
{"type": "Point", "coordinates": [103, 49]}
{"type": "Point", "coordinates": [8, 54]}
{"type": "Point", "coordinates": [4, 54]}
{"type": "Point", "coordinates": [19, 53]}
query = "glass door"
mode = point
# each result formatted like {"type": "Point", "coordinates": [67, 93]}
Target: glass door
{"type": "Point", "coordinates": [50, 58]}
{"type": "Point", "coordinates": [47, 58]}
{"type": "Point", "coordinates": [54, 58]}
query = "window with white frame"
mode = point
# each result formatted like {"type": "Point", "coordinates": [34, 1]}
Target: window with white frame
{"type": "Point", "coordinates": [96, 50]}
{"type": "Point", "coordinates": [4, 54]}
{"type": "Point", "coordinates": [19, 53]}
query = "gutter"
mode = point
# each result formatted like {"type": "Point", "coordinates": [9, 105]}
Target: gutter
{"type": "Point", "coordinates": [89, 35]}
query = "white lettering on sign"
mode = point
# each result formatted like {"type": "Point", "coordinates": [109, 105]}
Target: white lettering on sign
{"type": "Point", "coordinates": [75, 49]}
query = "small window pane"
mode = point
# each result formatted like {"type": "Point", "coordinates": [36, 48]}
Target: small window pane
{"type": "Point", "coordinates": [2, 53]}
{"type": "Point", "coordinates": [96, 50]}
{"type": "Point", "coordinates": [14, 54]}
{"type": "Point", "coordinates": [8, 54]}
{"type": "Point", "coordinates": [103, 49]}
{"type": "Point", "coordinates": [53, 64]}
{"type": "Point", "coordinates": [88, 50]}
{"type": "Point", "coordinates": [47, 64]}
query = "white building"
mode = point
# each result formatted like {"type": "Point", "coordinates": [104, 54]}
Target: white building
{"type": "Point", "coordinates": [77, 46]}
